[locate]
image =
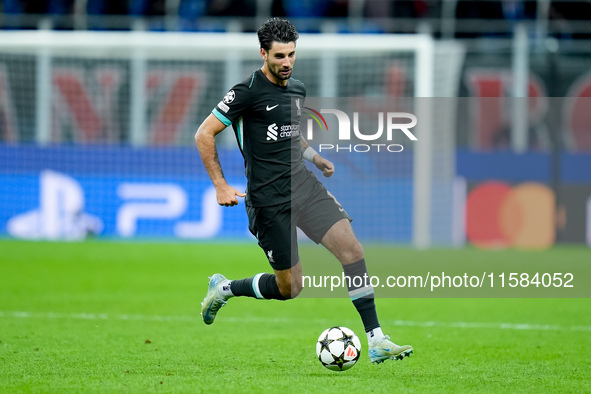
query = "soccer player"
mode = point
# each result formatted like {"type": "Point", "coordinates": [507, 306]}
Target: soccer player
{"type": "Point", "coordinates": [281, 192]}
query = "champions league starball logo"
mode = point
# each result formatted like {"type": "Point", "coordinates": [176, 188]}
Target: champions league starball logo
{"type": "Point", "coordinates": [229, 97]}
{"type": "Point", "coordinates": [393, 121]}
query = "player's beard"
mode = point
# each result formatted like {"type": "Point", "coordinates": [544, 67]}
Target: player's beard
{"type": "Point", "coordinates": [276, 72]}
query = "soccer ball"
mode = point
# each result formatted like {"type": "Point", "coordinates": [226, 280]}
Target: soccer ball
{"type": "Point", "coordinates": [338, 348]}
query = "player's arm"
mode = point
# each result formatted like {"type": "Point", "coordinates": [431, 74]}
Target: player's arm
{"type": "Point", "coordinates": [324, 165]}
{"type": "Point", "coordinates": [205, 139]}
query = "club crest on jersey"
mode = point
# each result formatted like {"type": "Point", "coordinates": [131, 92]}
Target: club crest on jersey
{"type": "Point", "coordinates": [270, 256]}
{"type": "Point", "coordinates": [229, 97]}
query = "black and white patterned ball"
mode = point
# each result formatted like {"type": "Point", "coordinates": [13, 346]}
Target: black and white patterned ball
{"type": "Point", "coordinates": [338, 348]}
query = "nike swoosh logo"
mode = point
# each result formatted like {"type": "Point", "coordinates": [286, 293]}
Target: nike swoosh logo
{"type": "Point", "coordinates": [270, 108]}
{"type": "Point", "coordinates": [207, 316]}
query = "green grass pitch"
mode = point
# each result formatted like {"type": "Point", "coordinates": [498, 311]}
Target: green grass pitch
{"type": "Point", "coordinates": [102, 316]}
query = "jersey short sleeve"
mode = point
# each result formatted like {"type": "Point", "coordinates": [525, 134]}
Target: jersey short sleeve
{"type": "Point", "coordinates": [233, 105]}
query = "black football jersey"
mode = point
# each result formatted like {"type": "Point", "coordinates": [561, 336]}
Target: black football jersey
{"type": "Point", "coordinates": [260, 113]}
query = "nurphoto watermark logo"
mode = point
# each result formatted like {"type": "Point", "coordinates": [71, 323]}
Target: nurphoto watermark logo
{"type": "Point", "coordinates": [389, 124]}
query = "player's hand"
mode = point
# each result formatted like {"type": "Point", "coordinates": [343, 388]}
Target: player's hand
{"type": "Point", "coordinates": [326, 166]}
{"type": "Point", "coordinates": [226, 195]}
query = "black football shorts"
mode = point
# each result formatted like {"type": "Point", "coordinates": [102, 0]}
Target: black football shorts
{"type": "Point", "coordinates": [314, 212]}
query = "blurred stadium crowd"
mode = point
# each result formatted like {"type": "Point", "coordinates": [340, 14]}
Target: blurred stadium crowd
{"type": "Point", "coordinates": [566, 16]}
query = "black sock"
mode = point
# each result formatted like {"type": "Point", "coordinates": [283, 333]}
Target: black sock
{"type": "Point", "coordinates": [261, 286]}
{"type": "Point", "coordinates": [362, 293]}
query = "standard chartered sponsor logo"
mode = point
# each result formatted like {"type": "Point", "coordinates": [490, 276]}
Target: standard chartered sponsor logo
{"type": "Point", "coordinates": [286, 131]}
{"type": "Point", "coordinates": [290, 130]}
{"type": "Point", "coordinates": [272, 132]}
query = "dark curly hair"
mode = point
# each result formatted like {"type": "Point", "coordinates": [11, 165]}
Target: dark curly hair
{"type": "Point", "coordinates": [276, 29]}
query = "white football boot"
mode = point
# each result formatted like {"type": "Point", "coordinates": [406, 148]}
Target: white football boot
{"type": "Point", "coordinates": [214, 299]}
{"type": "Point", "coordinates": [384, 349]}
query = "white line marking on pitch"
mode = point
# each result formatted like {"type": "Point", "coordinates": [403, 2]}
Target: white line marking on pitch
{"type": "Point", "coordinates": [173, 318]}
